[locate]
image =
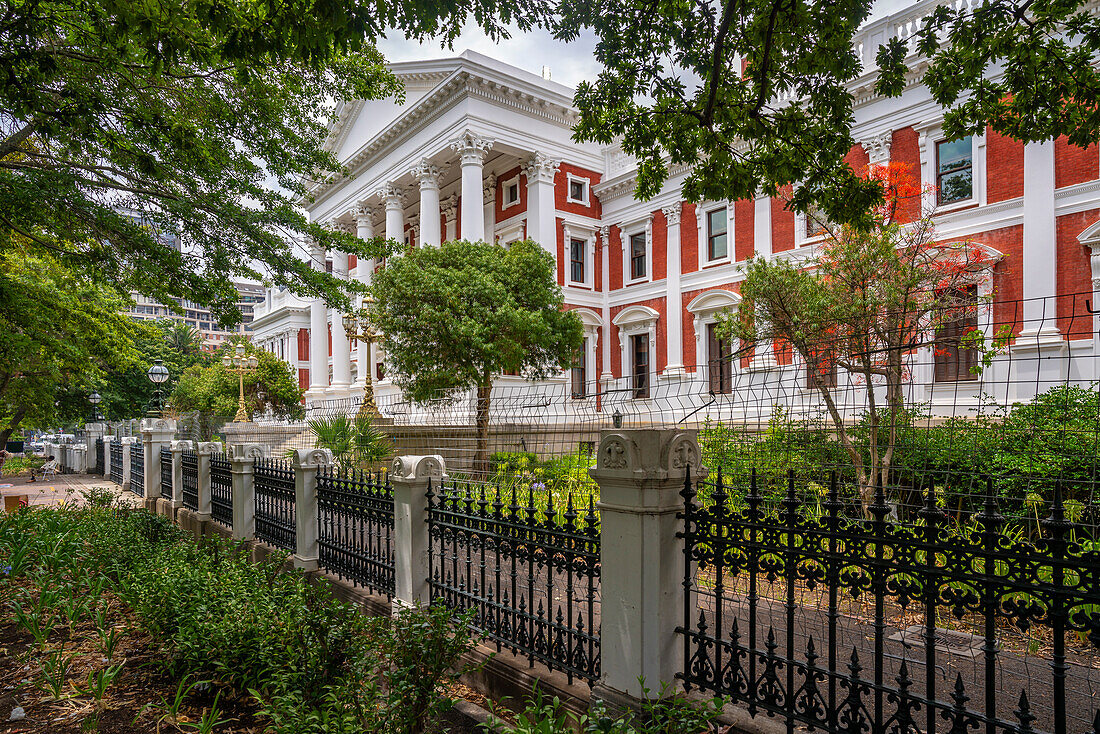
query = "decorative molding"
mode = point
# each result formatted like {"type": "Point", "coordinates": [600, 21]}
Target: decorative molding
{"type": "Point", "coordinates": [489, 190]}
{"type": "Point", "coordinates": [251, 451]}
{"type": "Point", "coordinates": [413, 468]}
{"type": "Point", "coordinates": [307, 458]}
{"type": "Point", "coordinates": [472, 148]}
{"type": "Point", "coordinates": [428, 173]}
{"type": "Point", "coordinates": [180, 445]}
{"type": "Point", "coordinates": [541, 168]}
{"type": "Point", "coordinates": [392, 196]}
{"type": "Point", "coordinates": [206, 448]}
{"type": "Point", "coordinates": [450, 208]}
{"type": "Point", "coordinates": [673, 214]}
{"type": "Point", "coordinates": [877, 148]}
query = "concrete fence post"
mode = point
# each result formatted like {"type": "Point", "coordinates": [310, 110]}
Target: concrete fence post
{"type": "Point", "coordinates": [306, 463]}
{"type": "Point", "coordinates": [410, 476]}
{"type": "Point", "coordinates": [156, 433]}
{"type": "Point", "coordinates": [127, 443]}
{"type": "Point", "coordinates": [80, 459]}
{"type": "Point", "coordinates": [242, 463]}
{"type": "Point", "coordinates": [108, 441]}
{"type": "Point", "coordinates": [92, 432]}
{"type": "Point", "coordinates": [170, 507]}
{"type": "Point", "coordinates": [205, 449]}
{"type": "Point", "coordinates": [641, 474]}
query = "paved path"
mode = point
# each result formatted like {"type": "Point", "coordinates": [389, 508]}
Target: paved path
{"type": "Point", "coordinates": [59, 489]}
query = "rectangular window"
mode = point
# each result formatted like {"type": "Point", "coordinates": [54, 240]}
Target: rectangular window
{"type": "Point", "coordinates": [815, 222]}
{"type": "Point", "coordinates": [511, 192]}
{"type": "Point", "coordinates": [639, 346]}
{"type": "Point", "coordinates": [578, 190]}
{"type": "Point", "coordinates": [638, 265]}
{"type": "Point", "coordinates": [576, 260]}
{"type": "Point", "coordinates": [718, 361]}
{"type": "Point", "coordinates": [580, 372]}
{"type": "Point", "coordinates": [953, 360]}
{"type": "Point", "coordinates": [955, 170]}
{"type": "Point", "coordinates": [717, 222]}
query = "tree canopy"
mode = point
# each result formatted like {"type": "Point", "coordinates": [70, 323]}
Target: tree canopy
{"type": "Point", "coordinates": [211, 389]}
{"type": "Point", "coordinates": [757, 96]}
{"type": "Point", "coordinates": [455, 316]}
{"type": "Point", "coordinates": [163, 146]}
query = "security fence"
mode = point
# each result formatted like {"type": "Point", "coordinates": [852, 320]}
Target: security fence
{"type": "Point", "coordinates": [530, 573]}
{"type": "Point", "coordinates": [99, 458]}
{"type": "Point", "coordinates": [832, 616]}
{"type": "Point", "coordinates": [116, 462]}
{"type": "Point", "coordinates": [189, 475]}
{"type": "Point", "coordinates": [274, 487]}
{"type": "Point", "coordinates": [166, 473]}
{"type": "Point", "coordinates": [221, 490]}
{"type": "Point", "coordinates": [355, 527]}
{"type": "Point", "coordinates": [137, 469]}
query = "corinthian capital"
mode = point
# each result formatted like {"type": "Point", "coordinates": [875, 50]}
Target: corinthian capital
{"type": "Point", "coordinates": [541, 168]}
{"type": "Point", "coordinates": [391, 195]}
{"type": "Point", "coordinates": [672, 214]}
{"type": "Point", "coordinates": [878, 148]}
{"type": "Point", "coordinates": [472, 148]}
{"type": "Point", "coordinates": [427, 173]}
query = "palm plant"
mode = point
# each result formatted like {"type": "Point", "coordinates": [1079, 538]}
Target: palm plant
{"type": "Point", "coordinates": [184, 338]}
{"type": "Point", "coordinates": [354, 442]}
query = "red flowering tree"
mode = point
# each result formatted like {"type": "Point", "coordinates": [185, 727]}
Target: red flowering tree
{"type": "Point", "coordinates": [866, 301]}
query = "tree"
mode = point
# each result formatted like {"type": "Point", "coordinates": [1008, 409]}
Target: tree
{"type": "Point", "coordinates": [129, 392]}
{"type": "Point", "coordinates": [59, 333]}
{"type": "Point", "coordinates": [454, 316]}
{"type": "Point", "coordinates": [865, 302]}
{"type": "Point", "coordinates": [131, 127]}
{"type": "Point", "coordinates": [757, 96]}
{"type": "Point", "coordinates": [213, 390]}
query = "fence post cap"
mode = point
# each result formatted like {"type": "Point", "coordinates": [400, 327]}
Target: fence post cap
{"type": "Point", "coordinates": [209, 447]}
{"type": "Point", "coordinates": [158, 424]}
{"type": "Point", "coordinates": [183, 446]}
{"type": "Point", "coordinates": [303, 458]}
{"type": "Point", "coordinates": [648, 453]}
{"type": "Point", "coordinates": [248, 451]}
{"type": "Point", "coordinates": [413, 468]}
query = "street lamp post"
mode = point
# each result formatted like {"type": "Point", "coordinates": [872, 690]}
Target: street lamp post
{"type": "Point", "coordinates": [358, 327]}
{"type": "Point", "coordinates": [240, 365]}
{"type": "Point", "coordinates": [158, 374]}
{"type": "Point", "coordinates": [95, 399]}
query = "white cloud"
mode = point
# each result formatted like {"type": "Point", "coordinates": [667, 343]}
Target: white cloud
{"type": "Point", "coordinates": [569, 62]}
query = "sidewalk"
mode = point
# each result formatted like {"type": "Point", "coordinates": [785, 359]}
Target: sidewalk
{"type": "Point", "coordinates": [59, 489]}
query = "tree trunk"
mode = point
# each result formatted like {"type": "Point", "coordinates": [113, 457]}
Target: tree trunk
{"type": "Point", "coordinates": [16, 419]}
{"type": "Point", "coordinates": [481, 456]}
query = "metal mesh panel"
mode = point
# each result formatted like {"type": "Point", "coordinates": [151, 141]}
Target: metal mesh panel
{"type": "Point", "coordinates": [221, 490]}
{"type": "Point", "coordinates": [275, 510]}
{"type": "Point", "coordinates": [137, 469]}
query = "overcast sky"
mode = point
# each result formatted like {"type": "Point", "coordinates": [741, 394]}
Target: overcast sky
{"type": "Point", "coordinates": [569, 63]}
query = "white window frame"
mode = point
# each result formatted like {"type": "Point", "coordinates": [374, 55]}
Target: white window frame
{"type": "Point", "coordinates": [801, 239]}
{"type": "Point", "coordinates": [505, 204]}
{"type": "Point", "coordinates": [704, 309]}
{"type": "Point", "coordinates": [643, 227]}
{"type": "Point", "coordinates": [929, 137]}
{"type": "Point", "coordinates": [570, 179]}
{"type": "Point", "coordinates": [573, 232]}
{"type": "Point", "coordinates": [637, 321]}
{"type": "Point", "coordinates": [702, 216]}
{"type": "Point", "coordinates": [592, 325]}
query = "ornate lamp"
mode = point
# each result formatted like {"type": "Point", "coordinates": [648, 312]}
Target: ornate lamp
{"type": "Point", "coordinates": [240, 365]}
{"type": "Point", "coordinates": [358, 327]}
{"type": "Point", "coordinates": [158, 375]}
{"type": "Point", "coordinates": [95, 399]}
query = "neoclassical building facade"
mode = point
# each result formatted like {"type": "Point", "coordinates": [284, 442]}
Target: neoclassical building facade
{"type": "Point", "coordinates": [482, 150]}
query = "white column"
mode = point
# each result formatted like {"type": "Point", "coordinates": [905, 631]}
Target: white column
{"type": "Point", "coordinates": [306, 462]}
{"type": "Point", "coordinates": [127, 447]}
{"type": "Point", "coordinates": [674, 322]}
{"type": "Point", "coordinates": [410, 477]}
{"type": "Point", "coordinates": [472, 149]}
{"type": "Point", "coordinates": [242, 463]}
{"type": "Point", "coordinates": [641, 474]}
{"type": "Point", "coordinates": [365, 231]}
{"type": "Point", "coordinates": [341, 348]}
{"type": "Point", "coordinates": [490, 198]}
{"type": "Point", "coordinates": [1040, 260]}
{"type": "Point", "coordinates": [540, 172]}
{"type": "Point", "coordinates": [429, 174]}
{"type": "Point", "coordinates": [292, 351]}
{"type": "Point", "coordinates": [394, 200]}
{"type": "Point", "coordinates": [606, 376]}
{"type": "Point", "coordinates": [318, 335]}
{"type": "Point", "coordinates": [205, 450]}
{"type": "Point", "coordinates": [763, 356]}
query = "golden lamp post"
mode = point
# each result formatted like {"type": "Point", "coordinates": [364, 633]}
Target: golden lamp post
{"type": "Point", "coordinates": [358, 327]}
{"type": "Point", "coordinates": [240, 365]}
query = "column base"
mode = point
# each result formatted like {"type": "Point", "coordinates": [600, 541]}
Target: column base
{"type": "Point", "coordinates": [1046, 337]}
{"type": "Point", "coordinates": [674, 372]}
{"type": "Point", "coordinates": [304, 564]}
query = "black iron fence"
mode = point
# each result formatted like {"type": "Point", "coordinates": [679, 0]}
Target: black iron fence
{"type": "Point", "coordinates": [189, 465]}
{"type": "Point", "coordinates": [847, 621]}
{"type": "Point", "coordinates": [532, 574]}
{"type": "Point", "coordinates": [275, 511]}
{"type": "Point", "coordinates": [99, 459]}
{"type": "Point", "coordinates": [166, 473]}
{"type": "Point", "coordinates": [137, 469]}
{"type": "Point", "coordinates": [116, 462]}
{"type": "Point", "coordinates": [221, 490]}
{"type": "Point", "coordinates": [355, 527]}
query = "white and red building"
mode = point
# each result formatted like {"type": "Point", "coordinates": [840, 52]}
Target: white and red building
{"type": "Point", "coordinates": [483, 150]}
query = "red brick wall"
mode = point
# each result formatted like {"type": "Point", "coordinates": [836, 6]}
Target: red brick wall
{"type": "Point", "coordinates": [561, 191]}
{"type": "Point", "coordinates": [782, 226]}
{"type": "Point", "coordinates": [1007, 282]}
{"type": "Point", "coordinates": [1004, 158]}
{"type": "Point", "coordinates": [660, 246]}
{"type": "Point", "coordinates": [688, 322]}
{"type": "Point", "coordinates": [615, 259]}
{"type": "Point", "coordinates": [1073, 165]}
{"type": "Point", "coordinates": [559, 235]}
{"type": "Point", "coordinates": [744, 229]}
{"type": "Point", "coordinates": [303, 378]}
{"type": "Point", "coordinates": [905, 148]}
{"type": "Point", "coordinates": [689, 239]}
{"type": "Point", "coordinates": [857, 159]}
{"type": "Point", "coordinates": [352, 261]}
{"type": "Point", "coordinates": [521, 207]}
{"type": "Point", "coordinates": [1075, 276]}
